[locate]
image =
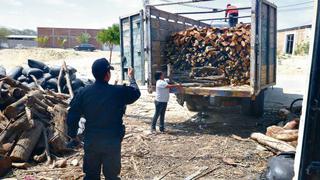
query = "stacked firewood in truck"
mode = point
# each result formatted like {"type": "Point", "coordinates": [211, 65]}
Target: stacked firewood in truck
{"type": "Point", "coordinates": [215, 56]}
{"type": "Point", "coordinates": [32, 122]}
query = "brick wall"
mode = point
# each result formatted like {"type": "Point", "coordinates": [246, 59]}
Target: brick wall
{"type": "Point", "coordinates": [300, 35]}
{"type": "Point", "coordinates": [69, 33]}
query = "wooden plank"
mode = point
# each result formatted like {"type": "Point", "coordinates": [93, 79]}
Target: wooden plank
{"type": "Point", "coordinates": [226, 91]}
{"type": "Point", "coordinates": [263, 79]}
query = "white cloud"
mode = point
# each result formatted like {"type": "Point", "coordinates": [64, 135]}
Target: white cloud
{"type": "Point", "coordinates": [61, 3]}
{"type": "Point", "coordinates": [11, 2]}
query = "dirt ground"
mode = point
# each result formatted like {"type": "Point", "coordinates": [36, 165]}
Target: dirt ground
{"type": "Point", "coordinates": [216, 143]}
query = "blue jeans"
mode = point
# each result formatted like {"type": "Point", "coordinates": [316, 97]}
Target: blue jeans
{"type": "Point", "coordinates": [109, 158]}
{"type": "Point", "coordinates": [233, 20]}
{"type": "Point", "coordinates": [161, 108]}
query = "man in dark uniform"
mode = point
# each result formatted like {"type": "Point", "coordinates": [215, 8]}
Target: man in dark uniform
{"type": "Point", "coordinates": [102, 105]}
{"type": "Point", "coordinates": [233, 13]}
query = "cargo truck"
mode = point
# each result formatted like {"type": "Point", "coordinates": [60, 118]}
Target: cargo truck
{"type": "Point", "coordinates": [144, 36]}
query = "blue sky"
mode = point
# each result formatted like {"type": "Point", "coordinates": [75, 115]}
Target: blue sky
{"type": "Point", "coordinates": [102, 13]}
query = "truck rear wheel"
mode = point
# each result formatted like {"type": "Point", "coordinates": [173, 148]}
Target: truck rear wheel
{"type": "Point", "coordinates": [253, 107]}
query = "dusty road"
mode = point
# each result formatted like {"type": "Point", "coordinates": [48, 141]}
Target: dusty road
{"type": "Point", "coordinates": [217, 144]}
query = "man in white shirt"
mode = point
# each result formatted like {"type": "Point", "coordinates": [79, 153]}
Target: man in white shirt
{"type": "Point", "coordinates": [161, 101]}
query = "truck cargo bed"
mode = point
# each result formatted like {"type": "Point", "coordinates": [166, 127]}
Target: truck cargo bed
{"type": "Point", "coordinates": [227, 91]}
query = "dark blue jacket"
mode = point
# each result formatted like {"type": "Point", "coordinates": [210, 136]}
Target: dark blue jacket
{"type": "Point", "coordinates": [102, 105]}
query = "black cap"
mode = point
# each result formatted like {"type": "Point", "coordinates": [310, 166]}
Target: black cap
{"type": "Point", "coordinates": [100, 67]}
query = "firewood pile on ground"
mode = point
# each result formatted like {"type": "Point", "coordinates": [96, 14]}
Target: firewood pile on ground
{"type": "Point", "coordinates": [215, 56]}
{"type": "Point", "coordinates": [32, 125]}
{"type": "Point", "coordinates": [281, 138]}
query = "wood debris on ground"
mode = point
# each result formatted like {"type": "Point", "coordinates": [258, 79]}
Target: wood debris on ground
{"type": "Point", "coordinates": [280, 138]}
{"type": "Point", "coordinates": [33, 124]}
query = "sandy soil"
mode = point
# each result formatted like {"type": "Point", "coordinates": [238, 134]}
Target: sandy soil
{"type": "Point", "coordinates": [191, 142]}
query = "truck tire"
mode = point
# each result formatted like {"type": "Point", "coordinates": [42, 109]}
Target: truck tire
{"type": "Point", "coordinates": [253, 107]}
{"type": "Point", "coordinates": [15, 73]}
{"type": "Point", "coordinates": [38, 64]}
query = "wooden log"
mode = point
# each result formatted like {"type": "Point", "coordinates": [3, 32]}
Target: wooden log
{"type": "Point", "coordinates": [211, 78]}
{"type": "Point", "coordinates": [17, 93]}
{"type": "Point", "coordinates": [19, 125]}
{"type": "Point", "coordinates": [35, 80]}
{"type": "Point", "coordinates": [14, 83]}
{"type": "Point", "coordinates": [46, 153]}
{"type": "Point", "coordinates": [67, 76]}
{"type": "Point", "coordinates": [59, 79]}
{"type": "Point", "coordinates": [13, 110]}
{"type": "Point", "coordinates": [293, 124]}
{"type": "Point", "coordinates": [282, 134]}
{"type": "Point", "coordinates": [58, 141]}
{"type": "Point", "coordinates": [26, 143]}
{"type": "Point", "coordinates": [272, 142]}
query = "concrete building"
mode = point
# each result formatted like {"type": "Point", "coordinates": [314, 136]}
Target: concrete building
{"type": "Point", "coordinates": [68, 33]}
{"type": "Point", "coordinates": [288, 39]}
{"type": "Point", "coordinates": [20, 41]}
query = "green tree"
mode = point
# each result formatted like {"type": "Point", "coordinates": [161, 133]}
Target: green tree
{"type": "Point", "coordinates": [61, 42]}
{"type": "Point", "coordinates": [4, 32]}
{"type": "Point", "coordinates": [109, 37]}
{"type": "Point", "coordinates": [83, 38]}
{"type": "Point", "coordinates": [302, 48]}
{"type": "Point", "coordinates": [42, 40]}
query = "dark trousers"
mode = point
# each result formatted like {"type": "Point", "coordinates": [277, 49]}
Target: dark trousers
{"type": "Point", "coordinates": [108, 158]}
{"type": "Point", "coordinates": [161, 108]}
{"type": "Point", "coordinates": [233, 20]}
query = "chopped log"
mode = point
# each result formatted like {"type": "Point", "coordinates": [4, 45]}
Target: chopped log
{"type": "Point", "coordinates": [59, 79]}
{"type": "Point", "coordinates": [58, 141]}
{"type": "Point", "coordinates": [211, 78]}
{"type": "Point", "coordinates": [26, 143]}
{"type": "Point", "coordinates": [6, 101]}
{"type": "Point", "coordinates": [13, 110]}
{"type": "Point", "coordinates": [282, 134]}
{"type": "Point", "coordinates": [17, 126]}
{"type": "Point", "coordinates": [272, 142]}
{"type": "Point", "coordinates": [23, 165]}
{"type": "Point", "coordinates": [35, 80]}
{"type": "Point", "coordinates": [5, 148]}
{"type": "Point", "coordinates": [293, 124]}
{"type": "Point", "coordinates": [17, 93]}
{"type": "Point", "coordinates": [67, 76]}
{"type": "Point", "coordinates": [14, 83]}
